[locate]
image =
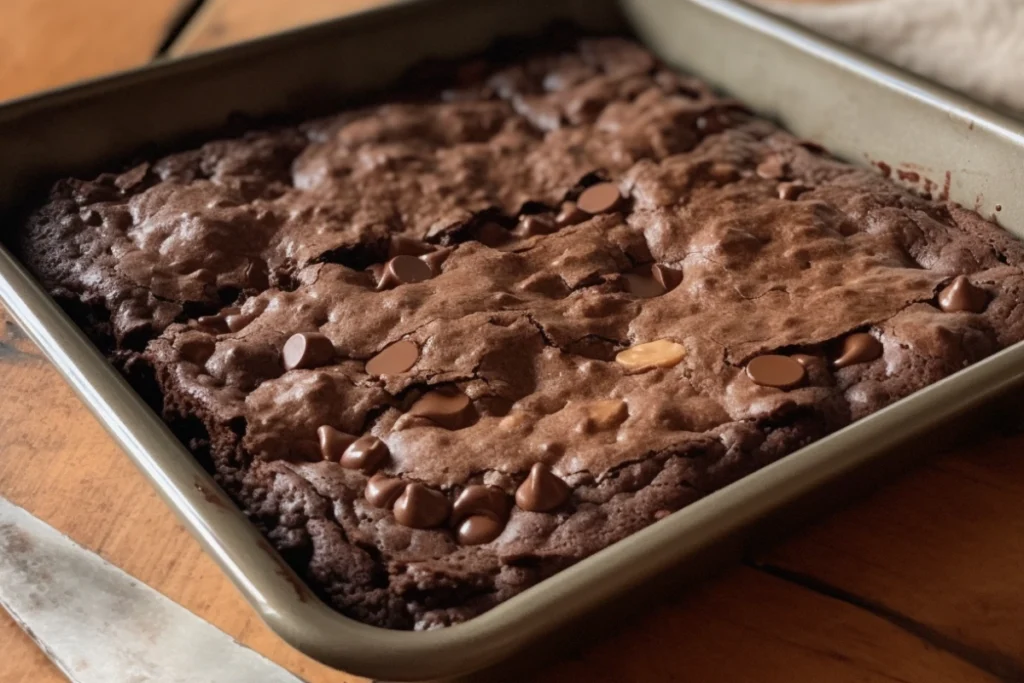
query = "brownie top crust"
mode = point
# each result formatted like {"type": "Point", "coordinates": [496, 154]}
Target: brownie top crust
{"type": "Point", "coordinates": [441, 348]}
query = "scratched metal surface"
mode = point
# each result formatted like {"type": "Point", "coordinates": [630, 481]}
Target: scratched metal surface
{"type": "Point", "coordinates": [99, 625]}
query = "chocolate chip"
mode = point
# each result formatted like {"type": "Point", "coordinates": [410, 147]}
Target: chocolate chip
{"type": "Point", "coordinates": [196, 350]}
{"type": "Point", "coordinates": [723, 173]}
{"type": "Point", "coordinates": [860, 347]}
{"type": "Point", "coordinates": [804, 359]}
{"type": "Point", "coordinates": [404, 270]}
{"type": "Point", "coordinates": [780, 372]}
{"type": "Point", "coordinates": [213, 321]}
{"type": "Point", "coordinates": [333, 442]}
{"type": "Point", "coordinates": [570, 215]}
{"type": "Point", "coordinates": [605, 415]}
{"type": "Point", "coordinates": [963, 295]}
{"type": "Point", "coordinates": [394, 359]}
{"type": "Point", "coordinates": [650, 281]}
{"type": "Point", "coordinates": [449, 408]}
{"type": "Point", "coordinates": [479, 529]}
{"type": "Point", "coordinates": [307, 350]}
{"type": "Point", "coordinates": [237, 322]}
{"type": "Point", "coordinates": [600, 198]}
{"type": "Point", "coordinates": [772, 168]}
{"type": "Point", "coordinates": [542, 491]}
{"type": "Point", "coordinates": [791, 191]}
{"type": "Point", "coordinates": [436, 259]}
{"type": "Point", "coordinates": [478, 499]}
{"type": "Point", "coordinates": [366, 454]}
{"type": "Point", "coordinates": [382, 491]}
{"type": "Point", "coordinates": [421, 507]}
{"type": "Point", "coordinates": [661, 353]}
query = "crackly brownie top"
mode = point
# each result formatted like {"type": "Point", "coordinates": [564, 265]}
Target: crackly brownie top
{"type": "Point", "coordinates": [486, 306]}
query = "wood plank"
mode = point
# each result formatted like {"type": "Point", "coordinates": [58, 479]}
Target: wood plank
{"type": "Point", "coordinates": [746, 626]}
{"type": "Point", "coordinates": [58, 463]}
{"type": "Point", "coordinates": [942, 548]}
{"type": "Point", "coordinates": [222, 22]}
{"type": "Point", "coordinates": [46, 44]}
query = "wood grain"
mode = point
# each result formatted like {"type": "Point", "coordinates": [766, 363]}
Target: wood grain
{"type": "Point", "coordinates": [49, 43]}
{"type": "Point", "coordinates": [222, 22]}
{"type": "Point", "coordinates": [919, 583]}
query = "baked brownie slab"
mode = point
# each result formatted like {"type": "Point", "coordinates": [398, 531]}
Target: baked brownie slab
{"type": "Point", "coordinates": [439, 349]}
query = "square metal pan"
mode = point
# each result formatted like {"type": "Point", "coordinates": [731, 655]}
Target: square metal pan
{"type": "Point", "coordinates": [859, 108]}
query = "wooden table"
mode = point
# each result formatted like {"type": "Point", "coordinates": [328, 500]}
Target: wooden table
{"type": "Point", "coordinates": [923, 582]}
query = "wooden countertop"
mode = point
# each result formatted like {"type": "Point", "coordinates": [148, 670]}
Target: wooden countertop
{"type": "Point", "coordinates": [921, 582]}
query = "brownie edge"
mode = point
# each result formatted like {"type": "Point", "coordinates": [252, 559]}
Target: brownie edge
{"type": "Point", "coordinates": [440, 347]}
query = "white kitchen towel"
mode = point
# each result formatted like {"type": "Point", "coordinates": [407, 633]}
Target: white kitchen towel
{"type": "Point", "coordinates": [975, 46]}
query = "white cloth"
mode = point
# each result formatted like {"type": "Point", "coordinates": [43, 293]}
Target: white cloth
{"type": "Point", "coordinates": [975, 46]}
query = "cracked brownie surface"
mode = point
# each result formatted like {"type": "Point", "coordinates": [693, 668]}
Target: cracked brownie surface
{"type": "Point", "coordinates": [441, 349]}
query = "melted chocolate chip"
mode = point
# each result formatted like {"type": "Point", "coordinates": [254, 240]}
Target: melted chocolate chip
{"type": "Point", "coordinates": [478, 499]}
{"type": "Point", "coordinates": [382, 491]}
{"type": "Point", "coordinates": [600, 198]}
{"type": "Point", "coordinates": [479, 529]}
{"type": "Point", "coordinates": [642, 286]}
{"type": "Point", "coordinates": [651, 281]}
{"type": "Point", "coordinates": [366, 453]}
{"type": "Point", "coordinates": [859, 347]}
{"type": "Point", "coordinates": [780, 372]}
{"type": "Point", "coordinates": [403, 270]}
{"type": "Point", "coordinates": [394, 359]}
{"type": "Point", "coordinates": [307, 350]}
{"type": "Point", "coordinates": [449, 408]}
{"type": "Point", "coordinates": [963, 295]}
{"type": "Point", "coordinates": [804, 359]}
{"type": "Point", "coordinates": [333, 442]}
{"type": "Point", "coordinates": [542, 491]}
{"type": "Point", "coordinates": [570, 215]}
{"type": "Point", "coordinates": [421, 507]}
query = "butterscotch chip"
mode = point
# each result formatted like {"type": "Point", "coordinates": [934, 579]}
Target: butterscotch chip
{"type": "Point", "coordinates": [607, 414]}
{"type": "Point", "coordinates": [661, 353]}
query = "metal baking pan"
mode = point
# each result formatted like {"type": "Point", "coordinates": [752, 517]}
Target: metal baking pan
{"type": "Point", "coordinates": [859, 108]}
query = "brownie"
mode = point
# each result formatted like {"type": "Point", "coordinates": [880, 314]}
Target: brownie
{"type": "Point", "coordinates": [439, 348]}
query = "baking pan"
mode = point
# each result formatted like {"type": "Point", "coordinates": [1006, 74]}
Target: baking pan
{"type": "Point", "coordinates": [859, 108]}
